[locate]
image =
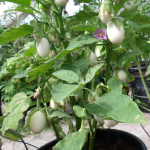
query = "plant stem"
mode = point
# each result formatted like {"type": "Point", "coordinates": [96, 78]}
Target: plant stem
{"type": "Point", "coordinates": [92, 136]}
{"type": "Point", "coordinates": [55, 130]}
{"type": "Point", "coordinates": [139, 68]}
{"type": "Point", "coordinates": [77, 119]}
{"type": "Point", "coordinates": [89, 121]}
{"type": "Point", "coordinates": [109, 53]}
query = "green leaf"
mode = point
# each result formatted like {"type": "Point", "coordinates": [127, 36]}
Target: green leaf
{"type": "Point", "coordinates": [74, 69]}
{"type": "Point", "coordinates": [14, 111]}
{"type": "Point", "coordinates": [79, 17]}
{"type": "Point", "coordinates": [128, 11]}
{"type": "Point", "coordinates": [148, 71]}
{"type": "Point", "coordinates": [140, 19]}
{"type": "Point", "coordinates": [86, 8]}
{"type": "Point", "coordinates": [128, 63]}
{"type": "Point", "coordinates": [115, 84]}
{"type": "Point", "coordinates": [1, 121]}
{"type": "Point", "coordinates": [9, 134]}
{"type": "Point", "coordinates": [114, 105]}
{"type": "Point", "coordinates": [117, 7]}
{"type": "Point", "coordinates": [13, 34]}
{"type": "Point", "coordinates": [81, 40]}
{"type": "Point", "coordinates": [20, 2]}
{"type": "Point", "coordinates": [82, 27]}
{"type": "Point", "coordinates": [80, 112]}
{"type": "Point", "coordinates": [84, 1]}
{"type": "Point", "coordinates": [22, 9]}
{"type": "Point", "coordinates": [29, 50]}
{"type": "Point", "coordinates": [143, 27]}
{"type": "Point", "coordinates": [83, 64]}
{"type": "Point", "coordinates": [91, 72]}
{"type": "Point", "coordinates": [59, 114]}
{"type": "Point", "coordinates": [130, 77]}
{"type": "Point", "coordinates": [73, 141]}
{"type": "Point", "coordinates": [21, 74]}
{"type": "Point", "coordinates": [45, 67]}
{"type": "Point", "coordinates": [122, 59]}
{"type": "Point", "coordinates": [10, 60]}
{"type": "Point", "coordinates": [66, 75]}
{"type": "Point", "coordinates": [61, 91]}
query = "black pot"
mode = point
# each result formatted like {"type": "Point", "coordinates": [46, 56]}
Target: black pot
{"type": "Point", "coordinates": [111, 135]}
{"type": "Point", "coordinates": [138, 89]}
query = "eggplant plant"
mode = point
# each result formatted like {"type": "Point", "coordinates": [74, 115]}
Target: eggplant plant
{"type": "Point", "coordinates": [84, 45]}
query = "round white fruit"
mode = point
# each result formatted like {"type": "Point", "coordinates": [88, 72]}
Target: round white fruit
{"type": "Point", "coordinates": [43, 48]}
{"type": "Point", "coordinates": [61, 2]}
{"type": "Point", "coordinates": [105, 17]}
{"type": "Point", "coordinates": [63, 104]}
{"type": "Point", "coordinates": [122, 75]}
{"type": "Point", "coordinates": [93, 58]}
{"type": "Point", "coordinates": [100, 121]}
{"type": "Point", "coordinates": [37, 122]}
{"type": "Point", "coordinates": [97, 51]}
{"type": "Point", "coordinates": [110, 123]}
{"type": "Point", "coordinates": [54, 105]}
{"type": "Point", "coordinates": [52, 53]}
{"type": "Point", "coordinates": [114, 34]}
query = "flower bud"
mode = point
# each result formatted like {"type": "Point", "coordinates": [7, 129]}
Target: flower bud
{"type": "Point", "coordinates": [91, 98]}
{"type": "Point", "coordinates": [52, 36]}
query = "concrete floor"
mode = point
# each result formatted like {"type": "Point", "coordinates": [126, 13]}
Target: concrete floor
{"type": "Point", "coordinates": [46, 136]}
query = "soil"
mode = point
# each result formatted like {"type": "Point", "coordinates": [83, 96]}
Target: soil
{"type": "Point", "coordinates": [102, 144]}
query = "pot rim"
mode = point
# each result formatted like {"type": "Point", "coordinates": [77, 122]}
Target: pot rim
{"type": "Point", "coordinates": [113, 130]}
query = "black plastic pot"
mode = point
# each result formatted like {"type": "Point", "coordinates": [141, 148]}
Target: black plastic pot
{"type": "Point", "coordinates": [138, 89]}
{"type": "Point", "coordinates": [111, 135]}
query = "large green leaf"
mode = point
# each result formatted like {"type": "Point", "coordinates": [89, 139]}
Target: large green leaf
{"type": "Point", "coordinates": [73, 141]}
{"type": "Point", "coordinates": [13, 34]}
{"type": "Point", "coordinates": [81, 40]}
{"type": "Point", "coordinates": [122, 59]}
{"type": "Point", "coordinates": [59, 114]}
{"type": "Point", "coordinates": [14, 111]}
{"type": "Point", "coordinates": [83, 64]}
{"type": "Point", "coordinates": [22, 9]}
{"type": "Point", "coordinates": [115, 84]}
{"type": "Point", "coordinates": [128, 11]}
{"type": "Point", "coordinates": [82, 27]}
{"type": "Point", "coordinates": [66, 75]}
{"type": "Point", "coordinates": [21, 2]}
{"type": "Point", "coordinates": [45, 67]}
{"type": "Point", "coordinates": [114, 105]}
{"type": "Point", "coordinates": [61, 91]}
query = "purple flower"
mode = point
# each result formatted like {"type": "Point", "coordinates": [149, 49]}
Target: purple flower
{"type": "Point", "coordinates": [74, 53]}
{"type": "Point", "coordinates": [100, 34]}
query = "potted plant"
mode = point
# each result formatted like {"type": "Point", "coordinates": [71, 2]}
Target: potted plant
{"type": "Point", "coordinates": [65, 62]}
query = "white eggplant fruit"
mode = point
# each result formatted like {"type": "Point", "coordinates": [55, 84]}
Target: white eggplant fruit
{"type": "Point", "coordinates": [115, 33]}
{"type": "Point", "coordinates": [37, 122]}
{"type": "Point", "coordinates": [110, 123]}
{"type": "Point", "coordinates": [43, 48]}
